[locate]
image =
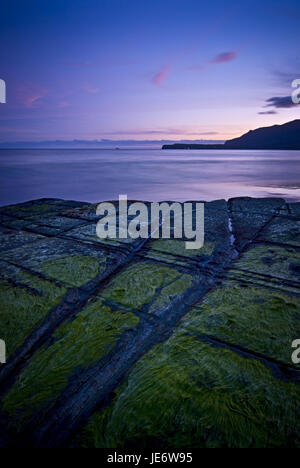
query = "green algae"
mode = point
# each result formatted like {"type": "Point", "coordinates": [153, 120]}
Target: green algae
{"type": "Point", "coordinates": [187, 394]}
{"type": "Point", "coordinates": [170, 292]}
{"type": "Point", "coordinates": [248, 277]}
{"type": "Point", "coordinates": [165, 257]}
{"type": "Point", "coordinates": [259, 319]}
{"type": "Point", "coordinates": [177, 247]}
{"type": "Point", "coordinates": [77, 345]}
{"type": "Point", "coordinates": [279, 262]}
{"type": "Point", "coordinates": [21, 310]}
{"type": "Point", "coordinates": [43, 209]}
{"type": "Point", "coordinates": [183, 393]}
{"type": "Point", "coordinates": [74, 270]}
{"type": "Point", "coordinates": [39, 208]}
{"type": "Point", "coordinates": [145, 282]}
{"type": "Point", "coordinates": [72, 263]}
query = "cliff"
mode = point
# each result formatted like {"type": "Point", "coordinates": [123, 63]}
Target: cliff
{"type": "Point", "coordinates": [277, 137]}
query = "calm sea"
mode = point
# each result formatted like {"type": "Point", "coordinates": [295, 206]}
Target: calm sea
{"type": "Point", "coordinates": [147, 174]}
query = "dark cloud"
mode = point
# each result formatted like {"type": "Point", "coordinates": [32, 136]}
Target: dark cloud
{"type": "Point", "coordinates": [280, 102]}
{"type": "Point", "coordinates": [224, 57]}
{"type": "Point", "coordinates": [275, 103]}
{"type": "Point", "coordinates": [270, 112]}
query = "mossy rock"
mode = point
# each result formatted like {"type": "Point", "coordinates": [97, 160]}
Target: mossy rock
{"type": "Point", "coordinates": [132, 344]}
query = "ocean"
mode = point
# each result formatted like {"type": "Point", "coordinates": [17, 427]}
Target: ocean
{"type": "Point", "coordinates": [147, 174]}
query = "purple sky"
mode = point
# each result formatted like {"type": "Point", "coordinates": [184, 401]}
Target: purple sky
{"type": "Point", "coordinates": [160, 69]}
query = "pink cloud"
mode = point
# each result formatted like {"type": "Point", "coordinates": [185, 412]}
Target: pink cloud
{"type": "Point", "coordinates": [30, 100]}
{"type": "Point", "coordinates": [224, 57]}
{"type": "Point", "coordinates": [30, 94]}
{"type": "Point", "coordinates": [161, 76]}
{"type": "Point", "coordinates": [220, 58]}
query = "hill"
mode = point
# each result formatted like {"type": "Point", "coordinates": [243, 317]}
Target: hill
{"type": "Point", "coordinates": [278, 137]}
{"type": "Point", "coordinates": [286, 136]}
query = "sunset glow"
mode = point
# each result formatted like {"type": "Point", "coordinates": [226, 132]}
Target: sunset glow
{"type": "Point", "coordinates": [132, 70]}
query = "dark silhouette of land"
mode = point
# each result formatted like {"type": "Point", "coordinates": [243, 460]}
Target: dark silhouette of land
{"type": "Point", "coordinates": [277, 137]}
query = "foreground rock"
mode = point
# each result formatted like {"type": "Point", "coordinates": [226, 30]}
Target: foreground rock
{"type": "Point", "coordinates": [144, 343]}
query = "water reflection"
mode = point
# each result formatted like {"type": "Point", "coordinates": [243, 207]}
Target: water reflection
{"type": "Point", "coordinates": [147, 174]}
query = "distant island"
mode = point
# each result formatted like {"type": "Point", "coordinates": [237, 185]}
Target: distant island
{"type": "Point", "coordinates": [103, 143]}
{"type": "Point", "coordinates": [277, 137]}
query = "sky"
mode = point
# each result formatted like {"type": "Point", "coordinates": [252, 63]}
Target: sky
{"type": "Point", "coordinates": [143, 70]}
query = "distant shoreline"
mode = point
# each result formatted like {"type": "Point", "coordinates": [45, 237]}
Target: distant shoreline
{"type": "Point", "coordinates": [283, 137]}
{"type": "Point", "coordinates": [176, 146]}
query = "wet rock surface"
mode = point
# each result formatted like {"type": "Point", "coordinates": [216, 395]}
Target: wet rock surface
{"type": "Point", "coordinates": [139, 344]}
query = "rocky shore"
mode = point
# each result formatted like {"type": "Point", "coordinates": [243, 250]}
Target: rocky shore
{"type": "Point", "coordinates": [142, 343]}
